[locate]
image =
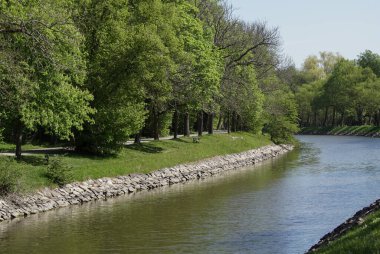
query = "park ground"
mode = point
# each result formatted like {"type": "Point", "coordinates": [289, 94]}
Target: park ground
{"type": "Point", "coordinates": [142, 158]}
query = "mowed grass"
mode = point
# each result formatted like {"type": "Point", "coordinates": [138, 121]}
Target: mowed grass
{"type": "Point", "coordinates": [6, 147]}
{"type": "Point", "coordinates": [360, 239]}
{"type": "Point", "coordinates": [142, 158]}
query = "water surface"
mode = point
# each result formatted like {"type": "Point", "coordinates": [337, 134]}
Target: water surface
{"type": "Point", "coordinates": [282, 206]}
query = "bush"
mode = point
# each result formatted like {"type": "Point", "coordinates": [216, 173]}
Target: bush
{"type": "Point", "coordinates": [281, 130]}
{"type": "Point", "coordinates": [58, 172]}
{"type": "Point", "coordinates": [9, 177]}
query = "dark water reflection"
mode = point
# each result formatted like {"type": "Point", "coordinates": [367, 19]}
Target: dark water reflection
{"type": "Point", "coordinates": [283, 206]}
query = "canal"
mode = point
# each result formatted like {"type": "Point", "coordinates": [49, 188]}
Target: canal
{"type": "Point", "coordinates": [282, 206]}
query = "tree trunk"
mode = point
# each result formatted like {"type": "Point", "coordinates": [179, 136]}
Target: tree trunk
{"type": "Point", "coordinates": [325, 119]}
{"type": "Point", "coordinates": [156, 126]}
{"type": "Point", "coordinates": [333, 117]}
{"type": "Point", "coordinates": [18, 140]}
{"type": "Point", "coordinates": [234, 121]}
{"type": "Point", "coordinates": [229, 122]}
{"type": "Point", "coordinates": [220, 120]}
{"type": "Point", "coordinates": [175, 124]}
{"type": "Point", "coordinates": [342, 120]}
{"type": "Point", "coordinates": [200, 123]}
{"type": "Point", "coordinates": [359, 113]}
{"type": "Point", "coordinates": [186, 125]}
{"type": "Point", "coordinates": [315, 119]}
{"type": "Point", "coordinates": [210, 123]}
{"type": "Point", "coordinates": [138, 138]}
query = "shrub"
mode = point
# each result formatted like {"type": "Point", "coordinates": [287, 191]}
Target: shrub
{"type": "Point", "coordinates": [9, 176]}
{"type": "Point", "coordinates": [281, 130]}
{"type": "Point", "coordinates": [58, 172]}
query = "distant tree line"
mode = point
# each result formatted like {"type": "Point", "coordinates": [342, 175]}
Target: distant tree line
{"type": "Point", "coordinates": [333, 91]}
{"type": "Point", "coordinates": [100, 72]}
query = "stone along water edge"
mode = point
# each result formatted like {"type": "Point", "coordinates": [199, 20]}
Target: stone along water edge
{"type": "Point", "coordinates": [77, 193]}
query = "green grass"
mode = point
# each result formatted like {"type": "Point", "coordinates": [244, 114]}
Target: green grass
{"type": "Point", "coordinates": [142, 158]}
{"type": "Point", "coordinates": [364, 130]}
{"type": "Point", "coordinates": [6, 147]}
{"type": "Point", "coordinates": [360, 239]}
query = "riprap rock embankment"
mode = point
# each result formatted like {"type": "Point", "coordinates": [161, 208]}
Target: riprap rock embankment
{"type": "Point", "coordinates": [91, 190]}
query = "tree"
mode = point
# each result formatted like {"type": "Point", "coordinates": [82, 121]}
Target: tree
{"type": "Point", "coordinates": [306, 100]}
{"type": "Point", "coordinates": [115, 71]}
{"type": "Point", "coordinates": [196, 81]}
{"type": "Point", "coordinates": [41, 69]}
{"type": "Point", "coordinates": [340, 88]}
{"type": "Point", "coordinates": [370, 60]}
{"type": "Point", "coordinates": [328, 60]}
{"type": "Point", "coordinates": [312, 70]}
{"type": "Point", "coordinates": [281, 116]}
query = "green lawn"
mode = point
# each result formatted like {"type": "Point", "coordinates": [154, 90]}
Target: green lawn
{"type": "Point", "coordinates": [6, 147]}
{"type": "Point", "coordinates": [140, 158]}
{"type": "Point", "coordinates": [360, 239]}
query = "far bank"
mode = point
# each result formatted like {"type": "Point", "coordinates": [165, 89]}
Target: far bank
{"type": "Point", "coordinates": [364, 130]}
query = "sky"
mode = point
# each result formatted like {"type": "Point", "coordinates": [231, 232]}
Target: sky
{"type": "Point", "coordinates": [308, 27]}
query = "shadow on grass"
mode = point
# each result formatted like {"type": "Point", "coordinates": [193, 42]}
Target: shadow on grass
{"type": "Point", "coordinates": [181, 140]}
{"type": "Point", "coordinates": [58, 151]}
{"type": "Point", "coordinates": [33, 160]}
{"type": "Point", "coordinates": [89, 155]}
{"type": "Point", "coordinates": [146, 148]}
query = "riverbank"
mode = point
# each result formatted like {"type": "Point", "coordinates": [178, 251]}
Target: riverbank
{"type": "Point", "coordinates": [143, 158]}
{"type": "Point", "coordinates": [365, 130]}
{"type": "Point", "coordinates": [358, 234]}
{"type": "Point", "coordinates": [80, 192]}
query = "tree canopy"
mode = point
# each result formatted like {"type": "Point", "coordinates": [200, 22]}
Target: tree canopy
{"type": "Point", "coordinates": [101, 72]}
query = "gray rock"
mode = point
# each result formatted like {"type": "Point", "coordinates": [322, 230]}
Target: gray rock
{"type": "Point", "coordinates": [78, 193]}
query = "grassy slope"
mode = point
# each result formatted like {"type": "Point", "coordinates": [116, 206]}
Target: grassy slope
{"type": "Point", "coordinates": [360, 239]}
{"type": "Point", "coordinates": [141, 158]}
{"type": "Point", "coordinates": [365, 130]}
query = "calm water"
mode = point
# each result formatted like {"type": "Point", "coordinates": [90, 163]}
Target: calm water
{"type": "Point", "coordinates": [283, 206]}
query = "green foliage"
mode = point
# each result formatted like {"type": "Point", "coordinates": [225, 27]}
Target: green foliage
{"type": "Point", "coordinates": [98, 72]}
{"type": "Point", "coordinates": [244, 97]}
{"type": "Point", "coordinates": [115, 73]}
{"type": "Point", "coordinates": [307, 98]}
{"type": "Point", "coordinates": [42, 68]}
{"type": "Point", "coordinates": [9, 176]}
{"type": "Point", "coordinates": [348, 95]}
{"type": "Point", "coordinates": [281, 117]}
{"type": "Point", "coordinates": [371, 60]}
{"type": "Point", "coordinates": [58, 172]}
{"type": "Point", "coordinates": [164, 123]}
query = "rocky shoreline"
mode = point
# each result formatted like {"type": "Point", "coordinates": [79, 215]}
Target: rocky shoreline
{"type": "Point", "coordinates": [339, 231]}
{"type": "Point", "coordinates": [78, 193]}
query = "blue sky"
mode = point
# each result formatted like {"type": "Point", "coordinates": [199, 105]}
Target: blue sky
{"type": "Point", "coordinates": [308, 27]}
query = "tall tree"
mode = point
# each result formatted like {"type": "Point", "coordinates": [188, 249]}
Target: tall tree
{"type": "Point", "coordinates": [113, 49]}
{"type": "Point", "coordinates": [371, 60]}
{"type": "Point", "coordinates": [41, 69]}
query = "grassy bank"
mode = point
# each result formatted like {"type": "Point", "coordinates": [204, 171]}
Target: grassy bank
{"type": "Point", "coordinates": [362, 238]}
{"type": "Point", "coordinates": [364, 130]}
{"type": "Point", "coordinates": [137, 158]}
